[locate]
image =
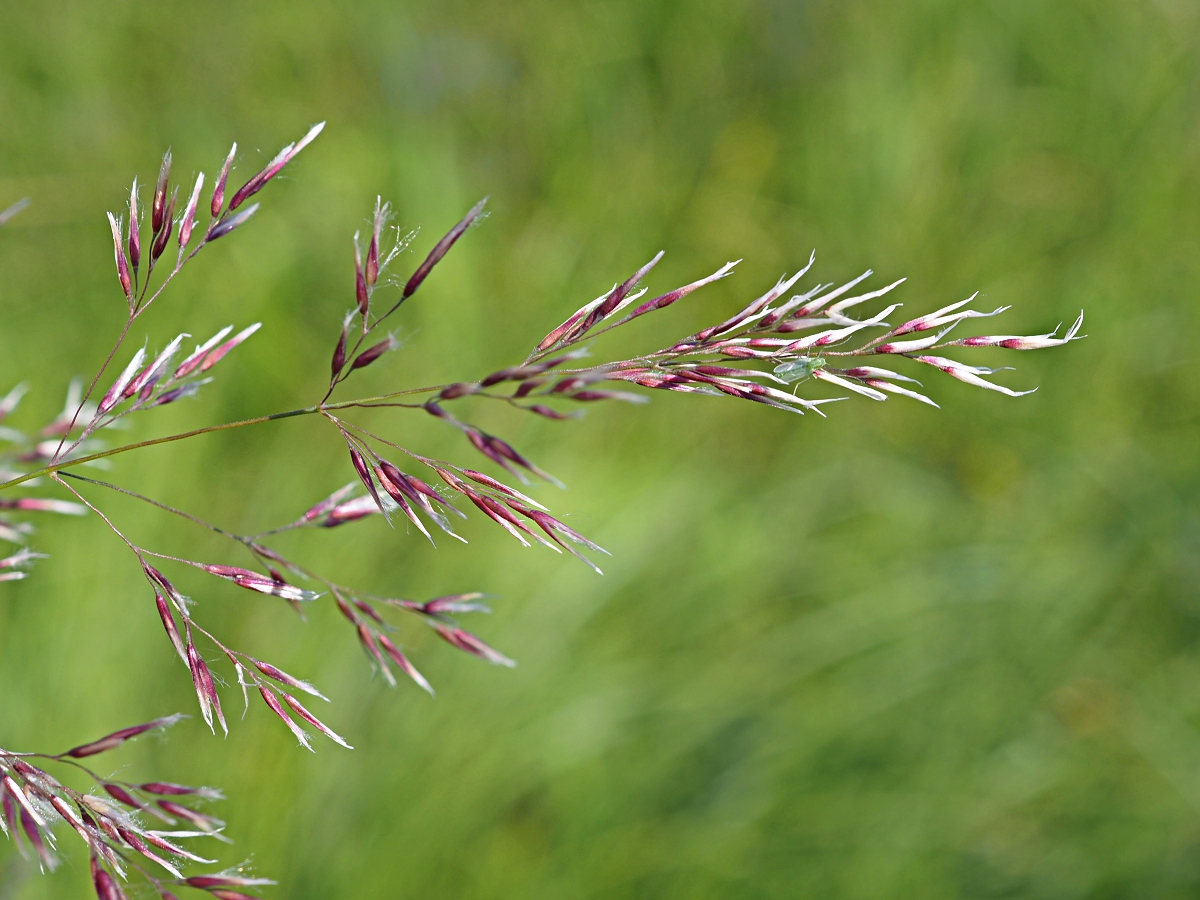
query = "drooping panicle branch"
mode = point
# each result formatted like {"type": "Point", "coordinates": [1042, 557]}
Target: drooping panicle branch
{"type": "Point", "coordinates": [113, 819]}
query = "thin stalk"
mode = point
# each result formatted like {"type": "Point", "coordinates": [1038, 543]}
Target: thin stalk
{"type": "Point", "coordinates": [226, 426]}
{"type": "Point", "coordinates": [66, 464]}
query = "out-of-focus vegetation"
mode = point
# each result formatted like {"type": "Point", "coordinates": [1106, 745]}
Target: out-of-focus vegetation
{"type": "Point", "coordinates": [901, 652]}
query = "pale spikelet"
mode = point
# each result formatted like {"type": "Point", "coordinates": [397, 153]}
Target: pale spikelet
{"type": "Point", "coordinates": [10, 400]}
{"type": "Point", "coordinates": [188, 222]}
{"type": "Point", "coordinates": [117, 391]}
{"type": "Point", "coordinates": [7, 215]}
{"type": "Point", "coordinates": [122, 263]}
{"type": "Point", "coordinates": [218, 354]}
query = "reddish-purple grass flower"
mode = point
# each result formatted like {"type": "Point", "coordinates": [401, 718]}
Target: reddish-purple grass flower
{"type": "Point", "coordinates": [273, 168]}
{"type": "Point", "coordinates": [119, 737]}
{"type": "Point", "coordinates": [782, 342]}
{"type": "Point", "coordinates": [34, 802]}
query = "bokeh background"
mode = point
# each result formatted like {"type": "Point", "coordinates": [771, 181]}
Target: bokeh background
{"type": "Point", "coordinates": [902, 652]}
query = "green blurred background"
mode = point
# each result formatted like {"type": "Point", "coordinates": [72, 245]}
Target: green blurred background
{"type": "Point", "coordinates": [901, 652]}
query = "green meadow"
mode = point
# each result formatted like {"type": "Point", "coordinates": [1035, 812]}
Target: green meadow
{"type": "Point", "coordinates": [899, 652]}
